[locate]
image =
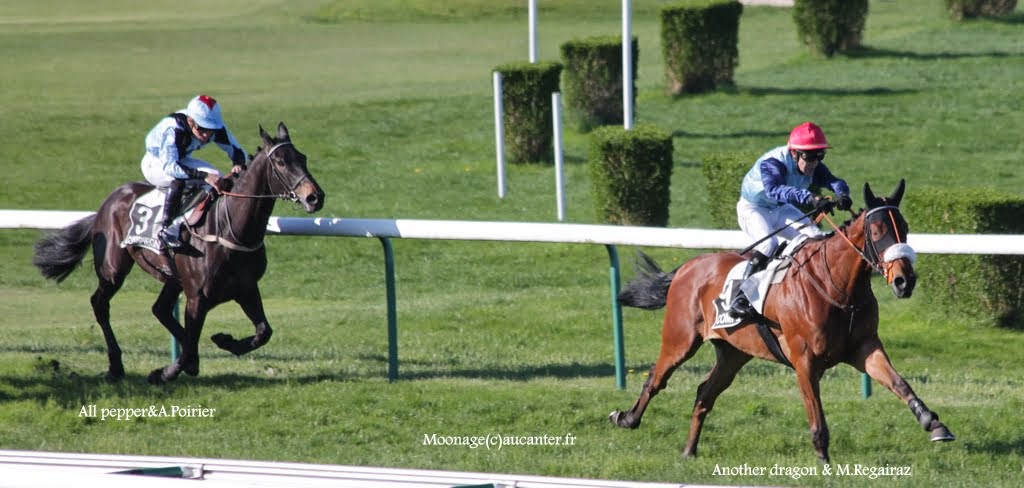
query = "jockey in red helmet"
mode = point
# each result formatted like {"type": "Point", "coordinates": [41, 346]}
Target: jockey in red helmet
{"type": "Point", "coordinates": [776, 183]}
{"type": "Point", "coordinates": [168, 162]}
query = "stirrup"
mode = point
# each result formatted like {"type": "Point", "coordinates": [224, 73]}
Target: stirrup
{"type": "Point", "coordinates": [740, 308]}
{"type": "Point", "coordinates": [170, 239]}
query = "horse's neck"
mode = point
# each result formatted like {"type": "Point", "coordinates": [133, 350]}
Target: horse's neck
{"type": "Point", "coordinates": [843, 260]}
{"type": "Point", "coordinates": [249, 216]}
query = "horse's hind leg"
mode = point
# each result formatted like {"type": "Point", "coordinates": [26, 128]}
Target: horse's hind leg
{"type": "Point", "coordinates": [252, 305]}
{"type": "Point", "coordinates": [678, 344]}
{"type": "Point", "coordinates": [728, 362]}
{"type": "Point", "coordinates": [873, 360]}
{"type": "Point", "coordinates": [112, 265]}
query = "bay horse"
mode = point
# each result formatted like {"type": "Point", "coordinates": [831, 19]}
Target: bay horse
{"type": "Point", "coordinates": [823, 313]}
{"type": "Point", "coordinates": [225, 256]}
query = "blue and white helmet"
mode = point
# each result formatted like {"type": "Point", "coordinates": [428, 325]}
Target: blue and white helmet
{"type": "Point", "coordinates": [205, 111]}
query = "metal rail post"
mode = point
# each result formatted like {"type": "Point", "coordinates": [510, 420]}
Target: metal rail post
{"type": "Point", "coordinates": [389, 283]}
{"type": "Point", "coordinates": [620, 349]}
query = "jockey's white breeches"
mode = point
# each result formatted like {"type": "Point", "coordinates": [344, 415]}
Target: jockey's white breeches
{"type": "Point", "coordinates": [758, 222]}
{"type": "Point", "coordinates": [155, 173]}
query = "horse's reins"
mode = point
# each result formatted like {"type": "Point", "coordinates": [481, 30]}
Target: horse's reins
{"type": "Point", "coordinates": [234, 243]}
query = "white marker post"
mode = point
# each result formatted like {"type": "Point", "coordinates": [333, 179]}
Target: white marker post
{"type": "Point", "coordinates": [533, 31]}
{"type": "Point", "coordinates": [627, 66]}
{"type": "Point", "coordinates": [556, 115]}
{"type": "Point", "coordinates": [499, 134]}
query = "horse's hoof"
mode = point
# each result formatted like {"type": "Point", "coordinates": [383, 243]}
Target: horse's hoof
{"type": "Point", "coordinates": [618, 418]}
{"type": "Point", "coordinates": [223, 341]}
{"type": "Point", "coordinates": [156, 377]}
{"type": "Point", "coordinates": [191, 370]}
{"type": "Point", "coordinates": [942, 434]}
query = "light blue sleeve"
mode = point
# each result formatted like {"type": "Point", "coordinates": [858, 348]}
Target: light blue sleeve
{"type": "Point", "coordinates": [232, 148]}
{"type": "Point", "coordinates": [169, 157]}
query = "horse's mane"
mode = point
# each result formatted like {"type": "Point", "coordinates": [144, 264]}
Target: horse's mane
{"type": "Point", "coordinates": [848, 222]}
{"type": "Point", "coordinates": [830, 234]}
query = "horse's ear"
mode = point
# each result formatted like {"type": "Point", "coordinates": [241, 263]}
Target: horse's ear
{"type": "Point", "coordinates": [897, 194]}
{"type": "Point", "coordinates": [265, 136]}
{"type": "Point", "coordinates": [282, 132]}
{"type": "Point", "coordinates": [869, 196]}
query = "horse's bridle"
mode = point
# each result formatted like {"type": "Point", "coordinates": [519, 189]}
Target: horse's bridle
{"type": "Point", "coordinates": [289, 194]}
{"type": "Point", "coordinates": [894, 248]}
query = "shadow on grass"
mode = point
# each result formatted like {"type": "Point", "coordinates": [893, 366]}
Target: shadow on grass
{"type": "Point", "coordinates": [410, 369]}
{"type": "Point", "coordinates": [1016, 18]}
{"type": "Point", "coordinates": [831, 92]}
{"type": "Point", "coordinates": [872, 52]}
{"type": "Point", "coordinates": [999, 446]}
{"type": "Point", "coordinates": [49, 381]}
{"type": "Point", "coordinates": [728, 135]}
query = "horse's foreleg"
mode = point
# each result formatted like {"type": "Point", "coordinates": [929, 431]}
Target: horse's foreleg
{"type": "Point", "coordinates": [163, 310]}
{"type": "Point", "coordinates": [728, 362]}
{"type": "Point", "coordinates": [873, 360]}
{"type": "Point", "coordinates": [252, 305]}
{"type": "Point", "coordinates": [808, 375]}
{"type": "Point", "coordinates": [195, 315]}
{"type": "Point", "coordinates": [675, 350]}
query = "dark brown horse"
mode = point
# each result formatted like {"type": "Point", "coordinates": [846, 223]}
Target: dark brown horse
{"type": "Point", "coordinates": [225, 258]}
{"type": "Point", "coordinates": [822, 314]}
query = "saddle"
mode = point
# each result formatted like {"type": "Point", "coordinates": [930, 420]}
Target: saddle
{"type": "Point", "coordinates": [146, 216]}
{"type": "Point", "coordinates": [757, 285]}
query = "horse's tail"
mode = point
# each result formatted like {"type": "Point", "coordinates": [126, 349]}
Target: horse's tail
{"type": "Point", "coordinates": [649, 288]}
{"type": "Point", "coordinates": [57, 255]}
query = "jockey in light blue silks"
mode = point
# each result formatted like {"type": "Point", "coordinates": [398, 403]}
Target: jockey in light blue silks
{"type": "Point", "coordinates": [168, 162]}
{"type": "Point", "coordinates": [777, 182]}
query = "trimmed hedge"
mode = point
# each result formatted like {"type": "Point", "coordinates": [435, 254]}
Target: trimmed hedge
{"type": "Point", "coordinates": [631, 172]}
{"type": "Point", "coordinates": [724, 174]}
{"type": "Point", "coordinates": [526, 99]}
{"type": "Point", "coordinates": [828, 26]}
{"type": "Point", "coordinates": [968, 9]}
{"type": "Point", "coordinates": [699, 42]}
{"type": "Point", "coordinates": [593, 80]}
{"type": "Point", "coordinates": [986, 288]}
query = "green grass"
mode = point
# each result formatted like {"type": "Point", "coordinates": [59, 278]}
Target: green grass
{"type": "Point", "coordinates": [391, 101]}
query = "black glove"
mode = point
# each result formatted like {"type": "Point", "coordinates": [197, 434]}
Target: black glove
{"type": "Point", "coordinates": [822, 204]}
{"type": "Point", "coordinates": [844, 203]}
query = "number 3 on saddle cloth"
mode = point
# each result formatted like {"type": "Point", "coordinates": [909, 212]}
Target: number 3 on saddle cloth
{"type": "Point", "coordinates": [147, 215]}
{"type": "Point", "coordinates": [756, 286]}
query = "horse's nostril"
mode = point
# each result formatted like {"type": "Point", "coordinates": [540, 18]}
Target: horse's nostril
{"type": "Point", "coordinates": [899, 282]}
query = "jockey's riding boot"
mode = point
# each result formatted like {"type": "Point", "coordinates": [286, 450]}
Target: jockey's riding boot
{"type": "Point", "coordinates": [741, 307]}
{"type": "Point", "coordinates": [172, 204]}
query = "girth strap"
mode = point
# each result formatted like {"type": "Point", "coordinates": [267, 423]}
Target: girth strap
{"type": "Point", "coordinates": [772, 342]}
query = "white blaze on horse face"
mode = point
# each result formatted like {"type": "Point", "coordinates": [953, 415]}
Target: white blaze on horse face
{"type": "Point", "coordinates": [900, 250]}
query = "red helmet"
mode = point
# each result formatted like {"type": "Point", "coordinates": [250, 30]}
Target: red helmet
{"type": "Point", "coordinates": [807, 137]}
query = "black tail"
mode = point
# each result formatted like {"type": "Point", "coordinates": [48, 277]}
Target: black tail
{"type": "Point", "coordinates": [649, 288]}
{"type": "Point", "coordinates": [59, 254]}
